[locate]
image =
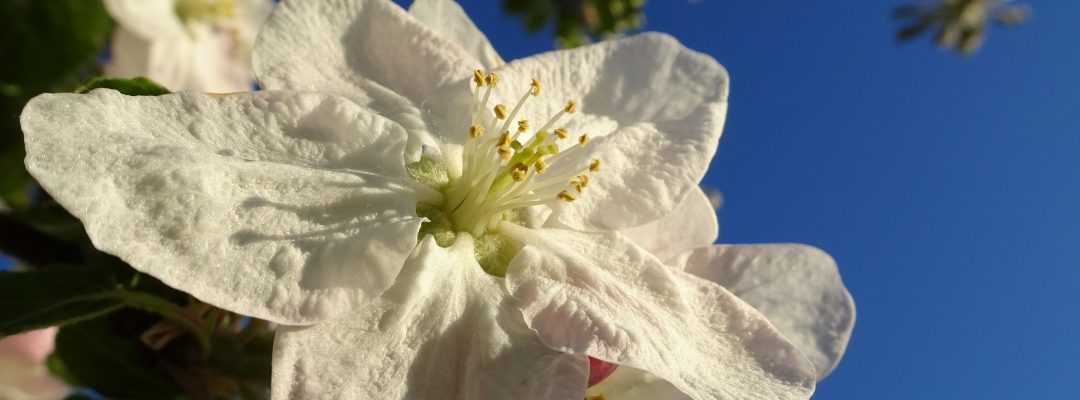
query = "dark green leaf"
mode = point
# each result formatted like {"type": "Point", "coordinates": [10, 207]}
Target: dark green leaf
{"type": "Point", "coordinates": [132, 87]}
{"type": "Point", "coordinates": [54, 296]}
{"type": "Point", "coordinates": [112, 363]}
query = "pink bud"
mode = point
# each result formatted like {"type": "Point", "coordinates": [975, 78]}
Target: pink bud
{"type": "Point", "coordinates": [598, 370]}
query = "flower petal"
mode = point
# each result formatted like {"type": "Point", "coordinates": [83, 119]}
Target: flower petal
{"type": "Point", "coordinates": [219, 63]}
{"type": "Point", "coordinates": [797, 287]}
{"type": "Point", "coordinates": [600, 295]}
{"type": "Point", "coordinates": [149, 19]}
{"type": "Point", "coordinates": [448, 19]}
{"type": "Point", "coordinates": [287, 207]}
{"type": "Point", "coordinates": [444, 330]}
{"type": "Point", "coordinates": [629, 383]}
{"type": "Point", "coordinates": [370, 51]}
{"type": "Point", "coordinates": [691, 225]}
{"type": "Point", "coordinates": [654, 108]}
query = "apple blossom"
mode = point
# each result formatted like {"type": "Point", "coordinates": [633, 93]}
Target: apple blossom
{"type": "Point", "coordinates": [386, 191]}
{"type": "Point", "coordinates": [202, 45]}
{"type": "Point", "coordinates": [23, 374]}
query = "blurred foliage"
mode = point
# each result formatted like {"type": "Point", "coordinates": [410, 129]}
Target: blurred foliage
{"type": "Point", "coordinates": [578, 22]}
{"type": "Point", "coordinates": [957, 24]}
{"type": "Point", "coordinates": [47, 46]}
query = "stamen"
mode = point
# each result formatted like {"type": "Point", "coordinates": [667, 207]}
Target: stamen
{"type": "Point", "coordinates": [492, 79]}
{"type": "Point", "coordinates": [479, 77]}
{"type": "Point", "coordinates": [562, 133]}
{"type": "Point", "coordinates": [571, 107]}
{"type": "Point", "coordinates": [476, 131]}
{"type": "Point", "coordinates": [502, 173]}
{"type": "Point", "coordinates": [518, 172]}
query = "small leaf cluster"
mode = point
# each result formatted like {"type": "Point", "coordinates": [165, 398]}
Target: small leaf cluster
{"type": "Point", "coordinates": [578, 22]}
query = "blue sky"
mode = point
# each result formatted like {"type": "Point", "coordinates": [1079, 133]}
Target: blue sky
{"type": "Point", "coordinates": [946, 187]}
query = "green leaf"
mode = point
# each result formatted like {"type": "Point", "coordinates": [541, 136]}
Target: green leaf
{"type": "Point", "coordinates": [111, 362]}
{"type": "Point", "coordinates": [132, 87]}
{"type": "Point", "coordinates": [49, 40]}
{"type": "Point", "coordinates": [53, 296]}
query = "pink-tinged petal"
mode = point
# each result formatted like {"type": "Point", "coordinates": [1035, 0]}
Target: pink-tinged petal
{"type": "Point", "coordinates": [32, 346]}
{"type": "Point", "coordinates": [797, 287]}
{"type": "Point", "coordinates": [600, 295]}
{"type": "Point", "coordinates": [23, 375]}
{"type": "Point", "coordinates": [445, 330]}
{"type": "Point", "coordinates": [289, 207]}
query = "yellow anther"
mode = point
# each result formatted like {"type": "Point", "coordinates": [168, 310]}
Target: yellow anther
{"type": "Point", "coordinates": [478, 77]}
{"type": "Point", "coordinates": [492, 79]}
{"type": "Point", "coordinates": [476, 131]}
{"type": "Point", "coordinates": [505, 153]}
{"type": "Point", "coordinates": [523, 125]}
{"type": "Point", "coordinates": [518, 172]}
{"type": "Point", "coordinates": [580, 182]}
{"type": "Point", "coordinates": [540, 166]}
{"type": "Point", "coordinates": [594, 165]}
{"type": "Point", "coordinates": [566, 196]}
{"type": "Point", "coordinates": [583, 139]}
{"type": "Point", "coordinates": [562, 133]}
{"type": "Point", "coordinates": [535, 87]}
{"type": "Point", "coordinates": [500, 111]}
{"type": "Point", "coordinates": [504, 140]}
{"type": "Point", "coordinates": [571, 107]}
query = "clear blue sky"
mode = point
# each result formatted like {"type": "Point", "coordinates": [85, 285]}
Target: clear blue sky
{"type": "Point", "coordinates": [946, 187]}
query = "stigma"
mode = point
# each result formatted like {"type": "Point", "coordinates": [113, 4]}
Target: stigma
{"type": "Point", "coordinates": [505, 161]}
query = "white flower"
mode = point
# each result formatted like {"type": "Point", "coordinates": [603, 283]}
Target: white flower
{"type": "Point", "coordinates": [303, 206]}
{"type": "Point", "coordinates": [23, 374]}
{"type": "Point", "coordinates": [202, 45]}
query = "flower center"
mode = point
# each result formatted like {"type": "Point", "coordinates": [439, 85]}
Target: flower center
{"type": "Point", "coordinates": [191, 11]}
{"type": "Point", "coordinates": [505, 170]}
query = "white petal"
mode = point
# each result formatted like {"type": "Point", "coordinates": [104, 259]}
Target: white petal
{"type": "Point", "coordinates": [598, 294]}
{"type": "Point", "coordinates": [220, 63]}
{"type": "Point", "coordinates": [448, 19]}
{"type": "Point", "coordinates": [370, 51]}
{"type": "Point", "coordinates": [797, 287]}
{"type": "Point", "coordinates": [130, 55]}
{"type": "Point", "coordinates": [149, 19]}
{"type": "Point", "coordinates": [629, 383]}
{"type": "Point", "coordinates": [444, 330]}
{"type": "Point", "coordinates": [287, 207]}
{"type": "Point", "coordinates": [654, 108]}
{"type": "Point", "coordinates": [691, 225]}
{"type": "Point", "coordinates": [168, 61]}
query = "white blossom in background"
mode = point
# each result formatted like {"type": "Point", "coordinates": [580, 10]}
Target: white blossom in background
{"type": "Point", "coordinates": [431, 222]}
{"type": "Point", "coordinates": [202, 45]}
{"type": "Point", "coordinates": [23, 374]}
